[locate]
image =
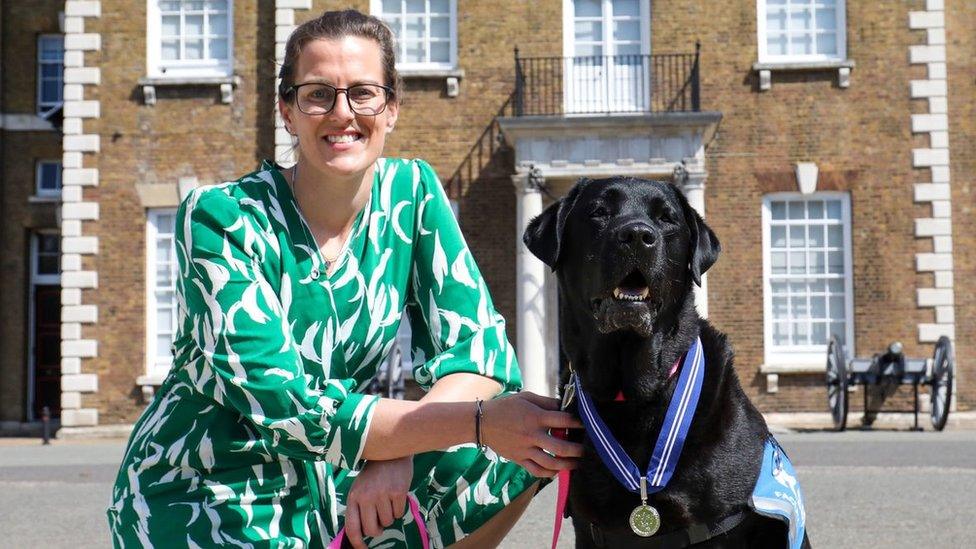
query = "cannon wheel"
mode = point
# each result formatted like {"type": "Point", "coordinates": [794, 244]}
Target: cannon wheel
{"type": "Point", "coordinates": [943, 370]}
{"type": "Point", "coordinates": [837, 383]}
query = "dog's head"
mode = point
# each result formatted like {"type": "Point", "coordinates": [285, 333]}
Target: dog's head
{"type": "Point", "coordinates": [624, 249]}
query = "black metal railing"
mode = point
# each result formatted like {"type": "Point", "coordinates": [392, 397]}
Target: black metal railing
{"type": "Point", "coordinates": [483, 152]}
{"type": "Point", "coordinates": [607, 84]}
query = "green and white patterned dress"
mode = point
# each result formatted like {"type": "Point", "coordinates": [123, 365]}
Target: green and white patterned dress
{"type": "Point", "coordinates": [254, 438]}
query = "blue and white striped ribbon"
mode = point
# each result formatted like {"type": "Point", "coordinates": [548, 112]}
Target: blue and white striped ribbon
{"type": "Point", "coordinates": [671, 439]}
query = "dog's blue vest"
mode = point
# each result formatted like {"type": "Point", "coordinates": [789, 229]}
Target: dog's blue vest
{"type": "Point", "coordinates": [777, 493]}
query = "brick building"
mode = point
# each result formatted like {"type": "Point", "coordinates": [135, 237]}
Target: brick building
{"type": "Point", "coordinates": [828, 144]}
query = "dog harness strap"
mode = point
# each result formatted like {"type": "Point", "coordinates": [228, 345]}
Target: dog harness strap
{"type": "Point", "coordinates": [561, 496]}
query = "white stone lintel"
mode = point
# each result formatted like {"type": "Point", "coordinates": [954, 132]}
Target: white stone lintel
{"type": "Point", "coordinates": [927, 54]}
{"type": "Point", "coordinates": [87, 314]}
{"type": "Point", "coordinates": [82, 109]}
{"type": "Point", "coordinates": [70, 401]}
{"type": "Point", "coordinates": [285, 17]}
{"type": "Point", "coordinates": [81, 348]}
{"type": "Point", "coordinates": [81, 143]}
{"type": "Point", "coordinates": [930, 122]}
{"type": "Point", "coordinates": [79, 245]}
{"type": "Point", "coordinates": [933, 262]}
{"type": "Point", "coordinates": [933, 297]}
{"type": "Point", "coordinates": [84, 417]}
{"type": "Point", "coordinates": [79, 279]}
{"type": "Point", "coordinates": [923, 158]}
{"type": "Point", "coordinates": [82, 42]}
{"type": "Point", "coordinates": [928, 88]}
{"type": "Point", "coordinates": [925, 192]}
{"type": "Point", "coordinates": [80, 176]}
{"type": "Point", "coordinates": [933, 227]}
{"type": "Point", "coordinates": [82, 8]}
{"type": "Point", "coordinates": [293, 4]}
{"type": "Point", "coordinates": [80, 210]}
{"type": "Point", "coordinates": [926, 19]}
{"type": "Point", "coordinates": [942, 244]}
{"type": "Point", "coordinates": [84, 383]}
{"type": "Point", "coordinates": [70, 296]}
{"type": "Point", "coordinates": [930, 333]}
{"type": "Point", "coordinates": [70, 366]}
{"type": "Point", "coordinates": [943, 279]}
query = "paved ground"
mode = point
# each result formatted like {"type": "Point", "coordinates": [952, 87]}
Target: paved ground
{"type": "Point", "coordinates": [864, 489]}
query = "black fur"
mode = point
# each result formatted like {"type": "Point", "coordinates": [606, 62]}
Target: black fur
{"type": "Point", "coordinates": [625, 229]}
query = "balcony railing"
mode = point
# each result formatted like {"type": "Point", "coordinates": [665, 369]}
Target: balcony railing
{"type": "Point", "coordinates": [616, 84]}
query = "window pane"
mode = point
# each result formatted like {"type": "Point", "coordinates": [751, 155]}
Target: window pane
{"type": "Point", "coordinates": [780, 307]}
{"type": "Point", "coordinates": [415, 52]}
{"type": "Point", "coordinates": [395, 24]}
{"type": "Point", "coordinates": [833, 209]}
{"type": "Point", "coordinates": [626, 7]}
{"type": "Point", "coordinates": [837, 329]}
{"type": "Point", "coordinates": [836, 285]}
{"type": "Point", "coordinates": [835, 236]}
{"type": "Point", "coordinates": [777, 237]}
{"type": "Point", "coordinates": [416, 6]}
{"type": "Point", "coordinates": [163, 344]}
{"type": "Point", "coordinates": [776, 44]}
{"type": "Point", "coordinates": [51, 70]}
{"type": "Point", "coordinates": [801, 19]}
{"type": "Point", "coordinates": [170, 26]}
{"type": "Point", "coordinates": [798, 263]}
{"type": "Point", "coordinates": [827, 43]}
{"type": "Point", "coordinates": [586, 50]}
{"type": "Point", "coordinates": [626, 30]}
{"type": "Point", "coordinates": [170, 50]}
{"type": "Point", "coordinates": [776, 20]}
{"type": "Point", "coordinates": [801, 44]}
{"type": "Point", "coordinates": [816, 262]}
{"type": "Point", "coordinates": [47, 264]}
{"type": "Point", "coordinates": [798, 307]}
{"type": "Point", "coordinates": [415, 28]}
{"type": "Point", "coordinates": [50, 91]}
{"type": "Point", "coordinates": [169, 5]}
{"type": "Point", "coordinates": [588, 8]}
{"type": "Point", "coordinates": [815, 209]}
{"type": "Point", "coordinates": [440, 52]}
{"type": "Point", "coordinates": [778, 262]}
{"type": "Point", "coordinates": [164, 316]}
{"type": "Point", "coordinates": [193, 25]}
{"type": "Point", "coordinates": [837, 311]}
{"type": "Point", "coordinates": [796, 210]}
{"type": "Point", "coordinates": [440, 27]}
{"type": "Point", "coordinates": [778, 210]}
{"type": "Point", "coordinates": [780, 333]}
{"type": "Point", "coordinates": [818, 335]}
{"type": "Point", "coordinates": [193, 5]}
{"type": "Point", "coordinates": [815, 236]}
{"type": "Point", "coordinates": [218, 25]}
{"type": "Point", "coordinates": [835, 262]}
{"type": "Point", "coordinates": [778, 288]}
{"type": "Point", "coordinates": [217, 5]}
{"type": "Point", "coordinates": [51, 48]}
{"type": "Point", "coordinates": [818, 307]}
{"type": "Point", "coordinates": [193, 49]}
{"type": "Point", "coordinates": [826, 19]}
{"type": "Point", "coordinates": [391, 6]}
{"type": "Point", "coordinates": [797, 238]}
{"type": "Point", "coordinates": [440, 6]}
{"type": "Point", "coordinates": [801, 333]}
{"type": "Point", "coordinates": [50, 179]}
{"type": "Point", "coordinates": [590, 31]}
{"type": "Point", "coordinates": [218, 48]}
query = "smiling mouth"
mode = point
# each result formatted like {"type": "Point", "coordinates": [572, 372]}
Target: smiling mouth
{"type": "Point", "coordinates": [344, 138]}
{"type": "Point", "coordinates": [632, 288]}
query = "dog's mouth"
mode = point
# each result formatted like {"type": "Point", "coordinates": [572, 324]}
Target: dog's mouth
{"type": "Point", "coordinates": [630, 305]}
{"type": "Point", "coordinates": [632, 288]}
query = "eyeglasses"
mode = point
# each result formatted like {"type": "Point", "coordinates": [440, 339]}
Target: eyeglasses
{"type": "Point", "coordinates": [367, 99]}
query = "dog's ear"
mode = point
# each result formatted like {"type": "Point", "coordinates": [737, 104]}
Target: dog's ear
{"type": "Point", "coordinates": [704, 246]}
{"type": "Point", "coordinates": [544, 235]}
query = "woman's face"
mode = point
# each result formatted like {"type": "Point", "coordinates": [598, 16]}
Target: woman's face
{"type": "Point", "coordinates": [324, 139]}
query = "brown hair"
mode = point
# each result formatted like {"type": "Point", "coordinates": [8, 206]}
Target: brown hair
{"type": "Point", "coordinates": [334, 25]}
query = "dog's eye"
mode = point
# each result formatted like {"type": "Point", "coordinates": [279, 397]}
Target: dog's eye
{"type": "Point", "coordinates": [599, 211]}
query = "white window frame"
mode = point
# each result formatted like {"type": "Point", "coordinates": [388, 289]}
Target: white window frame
{"type": "Point", "coordinates": [766, 57]}
{"type": "Point", "coordinates": [44, 109]}
{"type": "Point", "coordinates": [154, 368]}
{"type": "Point", "coordinates": [805, 355]}
{"type": "Point", "coordinates": [569, 28]}
{"type": "Point", "coordinates": [376, 9]}
{"type": "Point", "coordinates": [46, 193]}
{"type": "Point", "coordinates": [184, 69]}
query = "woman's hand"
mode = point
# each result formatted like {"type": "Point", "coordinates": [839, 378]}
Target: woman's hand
{"type": "Point", "coordinates": [377, 497]}
{"type": "Point", "coordinates": [517, 428]}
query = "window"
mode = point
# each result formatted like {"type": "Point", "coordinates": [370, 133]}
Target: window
{"type": "Point", "coordinates": [190, 38]}
{"type": "Point", "coordinates": [46, 258]}
{"type": "Point", "coordinates": [807, 286]}
{"type": "Point", "coordinates": [48, 178]}
{"type": "Point", "coordinates": [50, 73]}
{"type": "Point", "coordinates": [802, 30]}
{"type": "Point", "coordinates": [426, 31]}
{"type": "Point", "coordinates": [161, 314]}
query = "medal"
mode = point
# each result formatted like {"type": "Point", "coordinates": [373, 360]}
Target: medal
{"type": "Point", "coordinates": [644, 519]}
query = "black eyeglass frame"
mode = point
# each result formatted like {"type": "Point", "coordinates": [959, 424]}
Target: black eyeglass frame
{"type": "Point", "coordinates": [293, 91]}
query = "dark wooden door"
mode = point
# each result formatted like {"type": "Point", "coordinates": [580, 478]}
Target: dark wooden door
{"type": "Point", "coordinates": [47, 349]}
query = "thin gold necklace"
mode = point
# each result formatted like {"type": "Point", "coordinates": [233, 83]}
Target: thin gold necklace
{"type": "Point", "coordinates": [294, 182]}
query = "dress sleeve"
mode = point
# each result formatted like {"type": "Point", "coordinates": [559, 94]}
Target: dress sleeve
{"type": "Point", "coordinates": [239, 321]}
{"type": "Point", "coordinates": [454, 325]}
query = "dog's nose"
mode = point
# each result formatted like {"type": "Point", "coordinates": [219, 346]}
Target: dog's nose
{"type": "Point", "coordinates": [636, 235]}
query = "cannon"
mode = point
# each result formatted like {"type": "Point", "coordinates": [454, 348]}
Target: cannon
{"type": "Point", "coordinates": [885, 371]}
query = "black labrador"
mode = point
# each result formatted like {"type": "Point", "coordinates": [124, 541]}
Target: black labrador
{"type": "Point", "coordinates": [627, 253]}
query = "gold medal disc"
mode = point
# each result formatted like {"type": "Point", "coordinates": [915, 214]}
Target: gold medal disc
{"type": "Point", "coordinates": [645, 521]}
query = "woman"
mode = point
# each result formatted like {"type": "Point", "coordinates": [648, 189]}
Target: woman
{"type": "Point", "coordinates": [291, 288]}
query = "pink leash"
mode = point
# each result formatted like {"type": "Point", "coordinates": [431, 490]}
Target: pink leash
{"type": "Point", "coordinates": [564, 475]}
{"type": "Point", "coordinates": [414, 509]}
